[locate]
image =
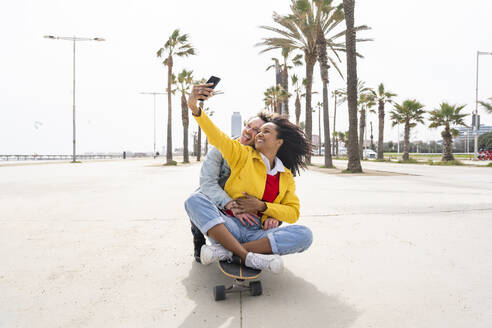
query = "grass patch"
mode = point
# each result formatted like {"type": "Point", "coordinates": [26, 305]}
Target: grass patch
{"type": "Point", "coordinates": [327, 167]}
{"type": "Point", "coordinates": [383, 160]}
{"type": "Point", "coordinates": [448, 163]}
{"type": "Point", "coordinates": [171, 163]}
{"type": "Point", "coordinates": [347, 171]}
{"type": "Point", "coordinates": [76, 162]}
{"type": "Point", "coordinates": [489, 165]}
{"type": "Point", "coordinates": [410, 161]}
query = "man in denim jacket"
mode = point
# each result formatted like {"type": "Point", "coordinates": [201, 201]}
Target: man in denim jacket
{"type": "Point", "coordinates": [214, 174]}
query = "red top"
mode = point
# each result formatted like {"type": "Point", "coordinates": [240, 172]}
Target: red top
{"type": "Point", "coordinates": [271, 188]}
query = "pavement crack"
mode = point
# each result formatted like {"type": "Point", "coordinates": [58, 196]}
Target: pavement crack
{"type": "Point", "coordinates": [241, 309]}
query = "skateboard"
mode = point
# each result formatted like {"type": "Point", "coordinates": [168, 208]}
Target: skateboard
{"type": "Point", "coordinates": [240, 273]}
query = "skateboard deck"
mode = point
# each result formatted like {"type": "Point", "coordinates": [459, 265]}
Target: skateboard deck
{"type": "Point", "coordinates": [236, 270]}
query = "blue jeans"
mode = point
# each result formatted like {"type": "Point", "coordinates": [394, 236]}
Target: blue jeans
{"type": "Point", "coordinates": [283, 240]}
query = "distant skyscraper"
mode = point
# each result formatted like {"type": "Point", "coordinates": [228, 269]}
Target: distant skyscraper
{"type": "Point", "coordinates": [236, 124]}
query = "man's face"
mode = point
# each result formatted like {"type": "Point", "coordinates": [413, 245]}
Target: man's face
{"type": "Point", "coordinates": [250, 131]}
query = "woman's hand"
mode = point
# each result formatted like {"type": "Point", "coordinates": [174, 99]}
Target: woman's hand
{"type": "Point", "coordinates": [199, 92]}
{"type": "Point", "coordinates": [247, 218]}
{"type": "Point", "coordinates": [270, 223]}
{"type": "Point", "coordinates": [249, 204]}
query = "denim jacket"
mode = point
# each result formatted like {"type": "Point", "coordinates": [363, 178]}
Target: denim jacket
{"type": "Point", "coordinates": [213, 176]}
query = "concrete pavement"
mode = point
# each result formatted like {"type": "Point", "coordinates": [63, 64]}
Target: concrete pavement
{"type": "Point", "coordinates": [108, 244]}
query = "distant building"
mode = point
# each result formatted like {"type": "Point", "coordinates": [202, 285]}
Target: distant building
{"type": "Point", "coordinates": [467, 134]}
{"type": "Point", "coordinates": [236, 124]}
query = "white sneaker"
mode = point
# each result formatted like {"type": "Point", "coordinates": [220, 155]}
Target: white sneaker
{"type": "Point", "coordinates": [272, 263]}
{"type": "Point", "coordinates": [214, 253]}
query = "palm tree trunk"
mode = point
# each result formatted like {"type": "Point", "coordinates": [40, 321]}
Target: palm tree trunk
{"type": "Point", "coordinates": [169, 147]}
{"type": "Point", "coordinates": [285, 85]}
{"type": "Point", "coordinates": [353, 148]}
{"type": "Point", "coordinates": [381, 130]}
{"type": "Point", "coordinates": [199, 144]}
{"type": "Point", "coordinates": [298, 109]}
{"type": "Point", "coordinates": [406, 142]}
{"type": "Point", "coordinates": [186, 122]}
{"type": "Point", "coordinates": [323, 63]}
{"type": "Point", "coordinates": [362, 127]}
{"type": "Point", "coordinates": [310, 61]}
{"type": "Point", "coordinates": [447, 145]}
{"type": "Point", "coordinates": [335, 140]}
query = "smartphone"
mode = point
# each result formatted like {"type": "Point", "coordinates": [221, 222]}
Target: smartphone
{"type": "Point", "coordinates": [213, 79]}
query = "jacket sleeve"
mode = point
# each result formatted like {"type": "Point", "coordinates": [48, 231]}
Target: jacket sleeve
{"type": "Point", "coordinates": [209, 179]}
{"type": "Point", "coordinates": [288, 209]}
{"type": "Point", "coordinates": [232, 150]}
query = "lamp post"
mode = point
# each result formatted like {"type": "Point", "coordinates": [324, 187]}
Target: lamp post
{"type": "Point", "coordinates": [475, 157]}
{"type": "Point", "coordinates": [153, 94]}
{"type": "Point", "coordinates": [74, 39]}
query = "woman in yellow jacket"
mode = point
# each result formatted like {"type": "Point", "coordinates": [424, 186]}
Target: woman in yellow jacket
{"type": "Point", "coordinates": [261, 181]}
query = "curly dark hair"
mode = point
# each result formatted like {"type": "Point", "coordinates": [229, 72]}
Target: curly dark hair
{"type": "Point", "coordinates": [296, 148]}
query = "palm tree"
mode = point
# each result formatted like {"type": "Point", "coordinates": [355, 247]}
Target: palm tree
{"type": "Point", "coordinates": [487, 105]}
{"type": "Point", "coordinates": [274, 97]}
{"type": "Point", "coordinates": [330, 16]}
{"type": "Point", "coordinates": [410, 113]}
{"type": "Point", "coordinates": [366, 102]}
{"type": "Point", "coordinates": [447, 115]}
{"type": "Point", "coordinates": [209, 113]}
{"type": "Point", "coordinates": [335, 94]}
{"type": "Point", "coordinates": [297, 32]}
{"type": "Point", "coordinates": [297, 90]}
{"type": "Point", "coordinates": [296, 61]}
{"type": "Point", "coordinates": [176, 45]}
{"type": "Point", "coordinates": [353, 151]}
{"type": "Point", "coordinates": [278, 70]}
{"type": "Point", "coordinates": [382, 97]}
{"type": "Point", "coordinates": [185, 80]}
{"type": "Point", "coordinates": [320, 108]}
{"type": "Point", "coordinates": [340, 137]}
{"type": "Point", "coordinates": [361, 90]}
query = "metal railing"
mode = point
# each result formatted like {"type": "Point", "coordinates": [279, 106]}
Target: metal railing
{"type": "Point", "coordinates": [36, 157]}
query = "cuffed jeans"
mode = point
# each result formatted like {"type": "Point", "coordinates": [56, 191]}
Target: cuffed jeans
{"type": "Point", "coordinates": [283, 240]}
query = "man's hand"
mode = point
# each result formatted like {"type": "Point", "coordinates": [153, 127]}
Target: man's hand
{"type": "Point", "coordinates": [199, 92]}
{"type": "Point", "coordinates": [270, 223]}
{"type": "Point", "coordinates": [249, 204]}
{"type": "Point", "coordinates": [250, 218]}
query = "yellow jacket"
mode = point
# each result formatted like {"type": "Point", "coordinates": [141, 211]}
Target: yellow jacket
{"type": "Point", "coordinates": [248, 174]}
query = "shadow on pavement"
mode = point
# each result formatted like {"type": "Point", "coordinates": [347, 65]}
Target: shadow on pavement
{"type": "Point", "coordinates": [199, 286]}
{"type": "Point", "coordinates": [286, 298]}
{"type": "Point", "coordinates": [295, 302]}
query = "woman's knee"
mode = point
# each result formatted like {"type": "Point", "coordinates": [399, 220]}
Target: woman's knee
{"type": "Point", "coordinates": [306, 235]}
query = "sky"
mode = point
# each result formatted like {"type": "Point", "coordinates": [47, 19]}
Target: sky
{"type": "Point", "coordinates": [424, 50]}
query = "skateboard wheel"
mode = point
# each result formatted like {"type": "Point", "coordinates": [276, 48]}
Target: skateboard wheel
{"type": "Point", "coordinates": [219, 293]}
{"type": "Point", "coordinates": [255, 288]}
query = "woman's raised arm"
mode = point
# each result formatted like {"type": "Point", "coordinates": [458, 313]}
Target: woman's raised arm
{"type": "Point", "coordinates": [232, 150]}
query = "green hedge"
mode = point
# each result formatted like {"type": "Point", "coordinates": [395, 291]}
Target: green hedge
{"type": "Point", "coordinates": [485, 140]}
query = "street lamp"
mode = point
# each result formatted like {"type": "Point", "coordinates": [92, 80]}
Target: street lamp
{"type": "Point", "coordinates": [476, 107]}
{"type": "Point", "coordinates": [73, 39]}
{"type": "Point", "coordinates": [154, 94]}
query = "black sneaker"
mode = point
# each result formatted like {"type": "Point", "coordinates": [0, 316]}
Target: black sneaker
{"type": "Point", "coordinates": [198, 241]}
{"type": "Point", "coordinates": [198, 247]}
